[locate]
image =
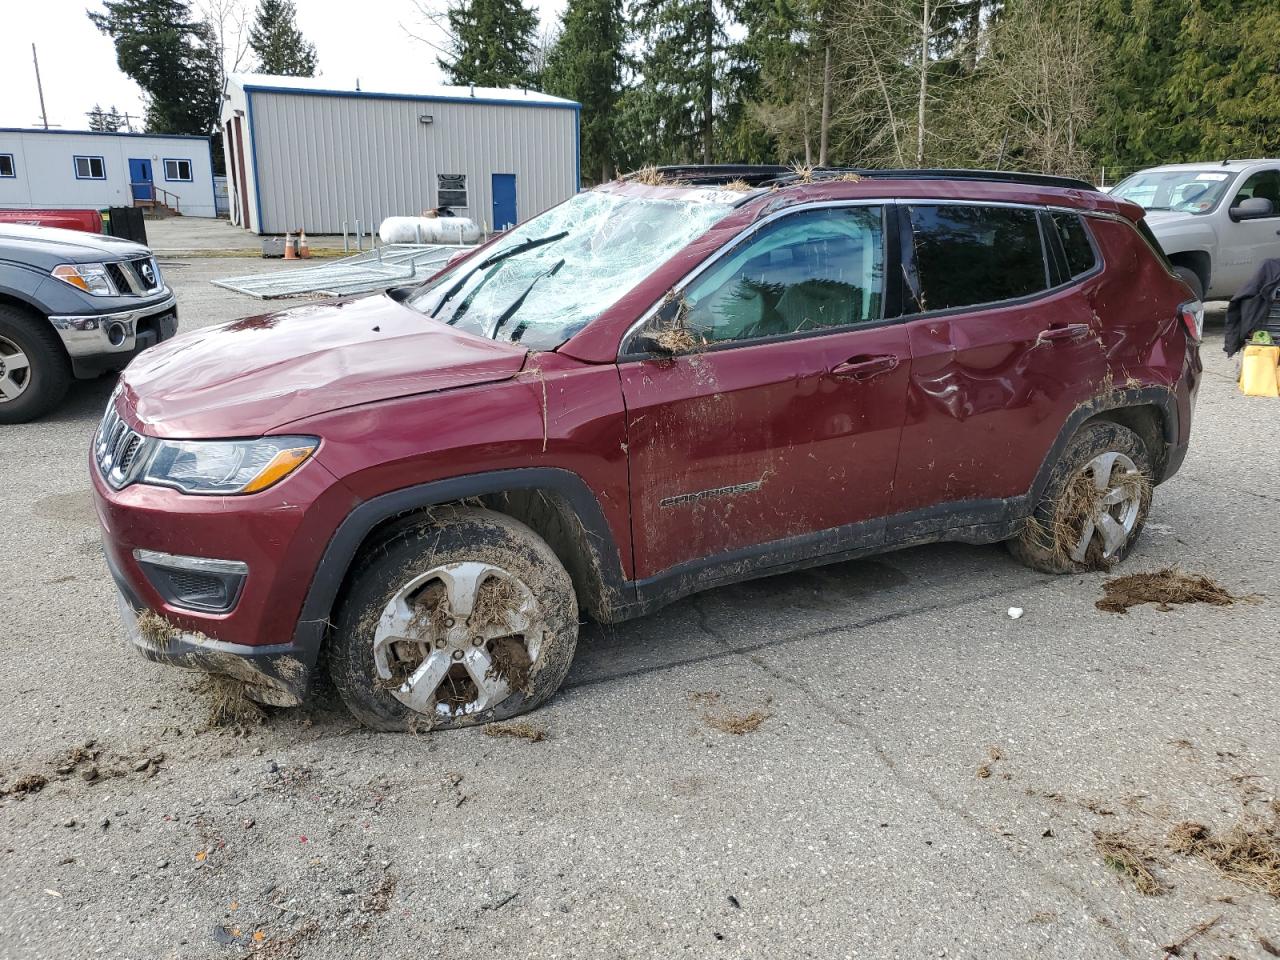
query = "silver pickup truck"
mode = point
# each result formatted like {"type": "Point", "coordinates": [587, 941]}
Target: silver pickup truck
{"type": "Point", "coordinates": [72, 305]}
{"type": "Point", "coordinates": [1217, 222]}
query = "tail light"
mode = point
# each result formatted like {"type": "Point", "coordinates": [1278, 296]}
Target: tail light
{"type": "Point", "coordinates": [1192, 313]}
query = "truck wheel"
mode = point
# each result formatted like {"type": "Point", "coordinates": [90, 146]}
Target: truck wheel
{"type": "Point", "coordinates": [465, 618]}
{"type": "Point", "coordinates": [1094, 505]}
{"type": "Point", "coordinates": [1192, 280]}
{"type": "Point", "coordinates": [34, 370]}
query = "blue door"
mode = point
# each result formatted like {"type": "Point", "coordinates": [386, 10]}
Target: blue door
{"type": "Point", "coordinates": [140, 179]}
{"type": "Point", "coordinates": [504, 200]}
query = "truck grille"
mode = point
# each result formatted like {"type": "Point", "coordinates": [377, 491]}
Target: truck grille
{"type": "Point", "coordinates": [117, 449]}
{"type": "Point", "coordinates": [136, 277]}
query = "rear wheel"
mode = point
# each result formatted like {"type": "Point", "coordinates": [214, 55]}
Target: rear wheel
{"type": "Point", "coordinates": [1094, 505]}
{"type": "Point", "coordinates": [34, 371]}
{"type": "Point", "coordinates": [1192, 280]}
{"type": "Point", "coordinates": [466, 618]}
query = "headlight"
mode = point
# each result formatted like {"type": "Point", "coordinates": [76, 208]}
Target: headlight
{"type": "Point", "coordinates": [226, 466]}
{"type": "Point", "coordinates": [92, 278]}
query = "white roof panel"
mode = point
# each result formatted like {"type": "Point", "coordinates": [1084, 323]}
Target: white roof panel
{"type": "Point", "coordinates": [328, 85]}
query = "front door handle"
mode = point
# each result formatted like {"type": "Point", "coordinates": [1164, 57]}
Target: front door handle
{"type": "Point", "coordinates": [1070, 331]}
{"type": "Point", "coordinates": [863, 367]}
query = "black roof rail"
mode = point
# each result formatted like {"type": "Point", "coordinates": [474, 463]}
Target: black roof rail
{"type": "Point", "coordinates": [770, 175]}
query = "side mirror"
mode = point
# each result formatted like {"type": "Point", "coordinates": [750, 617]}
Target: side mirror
{"type": "Point", "coordinates": [1255, 208]}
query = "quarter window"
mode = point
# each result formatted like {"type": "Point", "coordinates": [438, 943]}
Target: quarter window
{"type": "Point", "coordinates": [1075, 243]}
{"type": "Point", "coordinates": [90, 168]}
{"type": "Point", "coordinates": [809, 271]}
{"type": "Point", "coordinates": [451, 190]}
{"type": "Point", "coordinates": [177, 170]}
{"type": "Point", "coordinates": [967, 255]}
{"type": "Point", "coordinates": [6, 165]}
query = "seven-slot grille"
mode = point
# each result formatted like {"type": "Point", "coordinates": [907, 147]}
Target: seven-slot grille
{"type": "Point", "coordinates": [117, 449]}
{"type": "Point", "coordinates": [135, 277]}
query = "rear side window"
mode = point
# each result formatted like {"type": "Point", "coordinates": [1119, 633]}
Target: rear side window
{"type": "Point", "coordinates": [1075, 243]}
{"type": "Point", "coordinates": [967, 255]}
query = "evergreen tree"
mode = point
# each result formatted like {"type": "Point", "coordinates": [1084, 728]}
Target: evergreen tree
{"type": "Point", "coordinates": [685, 69]}
{"type": "Point", "coordinates": [491, 43]}
{"type": "Point", "coordinates": [277, 42]}
{"type": "Point", "coordinates": [586, 65]}
{"type": "Point", "coordinates": [171, 57]}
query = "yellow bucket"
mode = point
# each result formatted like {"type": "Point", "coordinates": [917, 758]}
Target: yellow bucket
{"type": "Point", "coordinates": [1258, 372]}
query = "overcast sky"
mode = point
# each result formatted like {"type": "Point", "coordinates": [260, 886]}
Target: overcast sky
{"type": "Point", "coordinates": [363, 39]}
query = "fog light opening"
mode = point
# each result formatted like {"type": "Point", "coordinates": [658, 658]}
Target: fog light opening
{"type": "Point", "coordinates": [116, 333]}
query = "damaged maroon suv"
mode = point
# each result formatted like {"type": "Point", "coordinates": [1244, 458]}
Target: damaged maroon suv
{"type": "Point", "coordinates": [654, 388]}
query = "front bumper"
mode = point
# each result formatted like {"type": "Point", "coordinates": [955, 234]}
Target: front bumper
{"type": "Point", "coordinates": [279, 674]}
{"type": "Point", "coordinates": [102, 341]}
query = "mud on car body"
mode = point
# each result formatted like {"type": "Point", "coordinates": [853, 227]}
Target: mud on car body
{"type": "Point", "coordinates": [668, 383]}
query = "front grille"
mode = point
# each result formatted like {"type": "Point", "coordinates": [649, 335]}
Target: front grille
{"type": "Point", "coordinates": [136, 277]}
{"type": "Point", "coordinates": [118, 448]}
{"type": "Point", "coordinates": [198, 589]}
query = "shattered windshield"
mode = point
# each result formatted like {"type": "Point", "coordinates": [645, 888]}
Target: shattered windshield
{"type": "Point", "coordinates": [548, 278]}
{"type": "Point", "coordinates": [1186, 191]}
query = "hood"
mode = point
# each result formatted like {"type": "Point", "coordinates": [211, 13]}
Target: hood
{"type": "Point", "coordinates": [1171, 225]}
{"type": "Point", "coordinates": [52, 246]}
{"type": "Point", "coordinates": [251, 376]}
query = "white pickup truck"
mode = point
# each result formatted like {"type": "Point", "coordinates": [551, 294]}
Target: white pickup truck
{"type": "Point", "coordinates": [1217, 222]}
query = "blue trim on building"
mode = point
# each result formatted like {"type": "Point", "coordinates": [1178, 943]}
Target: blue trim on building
{"type": "Point", "coordinates": [422, 98]}
{"type": "Point", "coordinates": [253, 159]}
{"type": "Point", "coordinates": [102, 133]}
{"type": "Point", "coordinates": [13, 167]}
{"type": "Point", "coordinates": [577, 150]}
{"type": "Point", "coordinates": [190, 169]}
{"type": "Point", "coordinates": [84, 156]}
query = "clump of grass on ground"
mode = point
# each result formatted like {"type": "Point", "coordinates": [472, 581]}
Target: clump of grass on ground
{"type": "Point", "coordinates": [1163, 588]}
{"type": "Point", "coordinates": [1249, 852]}
{"type": "Point", "coordinates": [1129, 858]}
{"type": "Point", "coordinates": [516, 731]}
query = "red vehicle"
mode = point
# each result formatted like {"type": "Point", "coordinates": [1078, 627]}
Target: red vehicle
{"type": "Point", "coordinates": [651, 389]}
{"type": "Point", "coordinates": [90, 221]}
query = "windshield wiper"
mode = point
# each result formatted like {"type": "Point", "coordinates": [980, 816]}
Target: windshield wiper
{"type": "Point", "coordinates": [508, 313]}
{"type": "Point", "coordinates": [496, 258]}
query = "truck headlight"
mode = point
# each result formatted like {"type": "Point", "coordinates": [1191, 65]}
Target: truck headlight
{"type": "Point", "coordinates": [92, 278]}
{"type": "Point", "coordinates": [226, 466]}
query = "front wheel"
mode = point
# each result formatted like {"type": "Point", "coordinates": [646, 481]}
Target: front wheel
{"type": "Point", "coordinates": [465, 618]}
{"type": "Point", "coordinates": [1094, 505]}
{"type": "Point", "coordinates": [34, 371]}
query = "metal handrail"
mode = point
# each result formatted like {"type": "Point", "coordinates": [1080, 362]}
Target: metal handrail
{"type": "Point", "coordinates": [171, 200]}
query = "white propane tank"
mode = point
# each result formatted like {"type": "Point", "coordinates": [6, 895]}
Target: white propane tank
{"type": "Point", "coordinates": [429, 230]}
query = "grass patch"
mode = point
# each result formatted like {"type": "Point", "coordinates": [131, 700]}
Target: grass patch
{"type": "Point", "coordinates": [737, 724]}
{"type": "Point", "coordinates": [1164, 588]}
{"type": "Point", "coordinates": [1248, 853]}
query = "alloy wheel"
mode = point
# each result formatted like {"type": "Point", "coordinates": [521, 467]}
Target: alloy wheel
{"type": "Point", "coordinates": [15, 370]}
{"type": "Point", "coordinates": [1118, 487]}
{"type": "Point", "coordinates": [458, 639]}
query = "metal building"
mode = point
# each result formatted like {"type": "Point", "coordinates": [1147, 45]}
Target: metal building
{"type": "Point", "coordinates": [74, 169]}
{"type": "Point", "coordinates": [302, 155]}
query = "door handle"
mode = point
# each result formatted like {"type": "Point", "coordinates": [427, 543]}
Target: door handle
{"type": "Point", "coordinates": [1070, 331]}
{"type": "Point", "coordinates": [863, 367]}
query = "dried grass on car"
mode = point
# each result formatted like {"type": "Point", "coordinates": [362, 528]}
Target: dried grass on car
{"type": "Point", "coordinates": [1079, 503]}
{"type": "Point", "coordinates": [229, 704]}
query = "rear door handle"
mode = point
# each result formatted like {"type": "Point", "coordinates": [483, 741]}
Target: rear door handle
{"type": "Point", "coordinates": [862, 367]}
{"type": "Point", "coordinates": [1071, 331]}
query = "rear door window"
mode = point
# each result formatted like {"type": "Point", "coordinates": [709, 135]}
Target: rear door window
{"type": "Point", "coordinates": [967, 255]}
{"type": "Point", "coordinates": [1075, 243]}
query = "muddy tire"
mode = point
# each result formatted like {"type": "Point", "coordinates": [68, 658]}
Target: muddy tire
{"type": "Point", "coordinates": [34, 370]}
{"type": "Point", "coordinates": [1094, 506]}
{"type": "Point", "coordinates": [463, 619]}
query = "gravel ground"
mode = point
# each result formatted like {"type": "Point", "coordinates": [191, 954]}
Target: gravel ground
{"type": "Point", "coordinates": [926, 782]}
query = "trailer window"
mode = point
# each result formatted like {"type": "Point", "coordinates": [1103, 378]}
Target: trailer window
{"type": "Point", "coordinates": [90, 168]}
{"type": "Point", "coordinates": [179, 170]}
{"type": "Point", "coordinates": [6, 165]}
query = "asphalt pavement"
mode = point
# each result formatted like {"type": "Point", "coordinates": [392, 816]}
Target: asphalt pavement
{"type": "Point", "coordinates": [924, 776]}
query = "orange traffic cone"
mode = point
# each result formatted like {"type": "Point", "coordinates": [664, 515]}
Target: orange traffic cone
{"type": "Point", "coordinates": [304, 248]}
{"type": "Point", "coordinates": [289, 252]}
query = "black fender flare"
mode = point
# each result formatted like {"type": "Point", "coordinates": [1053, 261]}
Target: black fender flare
{"type": "Point", "coordinates": [1125, 398]}
{"type": "Point", "coordinates": [355, 528]}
